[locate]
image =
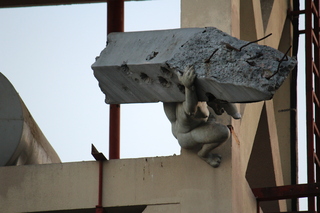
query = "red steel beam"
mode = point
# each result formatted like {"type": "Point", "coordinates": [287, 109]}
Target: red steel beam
{"type": "Point", "coordinates": [292, 212]}
{"type": "Point", "coordinates": [32, 3]}
{"type": "Point", "coordinates": [309, 98]}
{"type": "Point", "coordinates": [286, 192]}
{"type": "Point", "coordinates": [115, 23]}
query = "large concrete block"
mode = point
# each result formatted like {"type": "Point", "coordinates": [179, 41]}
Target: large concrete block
{"type": "Point", "coordinates": [138, 67]}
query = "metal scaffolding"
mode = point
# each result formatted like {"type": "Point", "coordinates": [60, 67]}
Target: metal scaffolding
{"type": "Point", "coordinates": [311, 190]}
{"type": "Point", "coordinates": [312, 23]}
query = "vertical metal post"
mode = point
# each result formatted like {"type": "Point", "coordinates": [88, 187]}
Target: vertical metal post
{"type": "Point", "coordinates": [99, 207]}
{"type": "Point", "coordinates": [309, 100]}
{"type": "Point", "coordinates": [313, 96]}
{"type": "Point", "coordinates": [316, 30]}
{"type": "Point", "coordinates": [99, 157]}
{"type": "Point", "coordinates": [115, 23]}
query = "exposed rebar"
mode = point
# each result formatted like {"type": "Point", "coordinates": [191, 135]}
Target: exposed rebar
{"type": "Point", "coordinates": [254, 41]}
{"type": "Point", "coordinates": [284, 58]}
{"type": "Point", "coordinates": [208, 59]}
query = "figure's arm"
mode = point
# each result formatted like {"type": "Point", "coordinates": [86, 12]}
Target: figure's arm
{"type": "Point", "coordinates": [191, 100]}
{"type": "Point", "coordinates": [170, 111]}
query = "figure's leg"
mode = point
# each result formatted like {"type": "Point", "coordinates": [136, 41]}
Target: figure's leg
{"type": "Point", "coordinates": [207, 148]}
{"type": "Point", "coordinates": [205, 153]}
{"type": "Point", "coordinates": [216, 134]}
{"type": "Point", "coordinates": [208, 136]}
{"type": "Point", "coordinates": [210, 133]}
{"type": "Point", "coordinates": [214, 160]}
{"type": "Point", "coordinates": [186, 141]}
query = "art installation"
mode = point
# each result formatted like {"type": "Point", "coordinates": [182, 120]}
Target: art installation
{"type": "Point", "coordinates": [193, 124]}
{"type": "Point", "coordinates": [192, 71]}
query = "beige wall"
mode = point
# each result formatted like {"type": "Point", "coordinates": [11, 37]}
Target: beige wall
{"type": "Point", "coordinates": [222, 14]}
{"type": "Point", "coordinates": [184, 183]}
{"type": "Point", "coordinates": [250, 20]}
{"type": "Point", "coordinates": [48, 187]}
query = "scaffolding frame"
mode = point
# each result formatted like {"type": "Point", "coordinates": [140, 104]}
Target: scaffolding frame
{"type": "Point", "coordinates": [312, 39]}
{"type": "Point", "coordinates": [311, 190]}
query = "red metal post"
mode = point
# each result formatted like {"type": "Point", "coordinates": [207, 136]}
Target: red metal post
{"type": "Point", "coordinates": [309, 90]}
{"type": "Point", "coordinates": [286, 192]}
{"type": "Point", "coordinates": [114, 131]}
{"type": "Point", "coordinates": [115, 23]}
{"type": "Point", "coordinates": [316, 70]}
{"type": "Point", "coordinates": [99, 208]}
{"type": "Point", "coordinates": [313, 96]}
{"type": "Point", "coordinates": [115, 15]}
{"type": "Point", "coordinates": [309, 100]}
{"type": "Point", "coordinates": [99, 157]}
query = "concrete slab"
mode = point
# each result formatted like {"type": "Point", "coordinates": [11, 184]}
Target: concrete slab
{"type": "Point", "coordinates": [139, 67]}
{"type": "Point", "coordinates": [171, 184]}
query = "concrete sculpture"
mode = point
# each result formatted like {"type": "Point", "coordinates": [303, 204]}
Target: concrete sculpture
{"type": "Point", "coordinates": [193, 71]}
{"type": "Point", "coordinates": [192, 123]}
{"type": "Point", "coordinates": [141, 67]}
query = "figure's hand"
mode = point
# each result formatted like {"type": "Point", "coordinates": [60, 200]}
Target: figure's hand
{"type": "Point", "coordinates": [188, 77]}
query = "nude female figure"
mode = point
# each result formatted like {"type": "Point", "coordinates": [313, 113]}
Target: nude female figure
{"type": "Point", "coordinates": [192, 123]}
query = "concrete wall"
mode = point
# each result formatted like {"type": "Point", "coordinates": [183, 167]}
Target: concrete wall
{"type": "Point", "coordinates": [47, 187]}
{"type": "Point", "coordinates": [263, 126]}
{"type": "Point", "coordinates": [182, 183]}
{"type": "Point", "coordinates": [222, 14]}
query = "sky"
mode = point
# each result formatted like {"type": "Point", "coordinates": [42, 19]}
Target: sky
{"type": "Point", "coordinates": [301, 110]}
{"type": "Point", "coordinates": [47, 53]}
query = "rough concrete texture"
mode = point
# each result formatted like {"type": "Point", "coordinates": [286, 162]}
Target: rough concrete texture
{"type": "Point", "coordinates": [163, 184]}
{"type": "Point", "coordinates": [140, 67]}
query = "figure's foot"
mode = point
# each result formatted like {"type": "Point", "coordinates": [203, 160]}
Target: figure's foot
{"type": "Point", "coordinates": [214, 160]}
